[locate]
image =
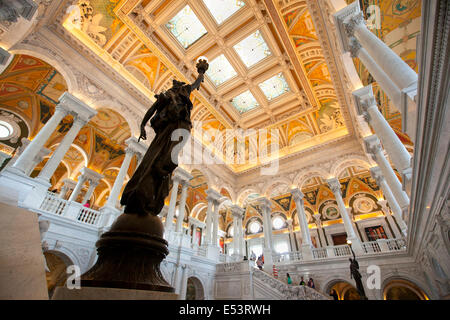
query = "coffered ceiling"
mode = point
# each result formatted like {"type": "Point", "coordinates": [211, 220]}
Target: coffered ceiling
{"type": "Point", "coordinates": [266, 70]}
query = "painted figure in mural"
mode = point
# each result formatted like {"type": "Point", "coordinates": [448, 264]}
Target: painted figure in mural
{"type": "Point", "coordinates": [149, 186]}
{"type": "Point", "coordinates": [355, 274]}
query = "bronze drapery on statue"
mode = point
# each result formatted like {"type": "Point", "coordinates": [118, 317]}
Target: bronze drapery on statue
{"type": "Point", "coordinates": [130, 253]}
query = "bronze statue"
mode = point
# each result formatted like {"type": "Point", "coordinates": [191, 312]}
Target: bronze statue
{"type": "Point", "coordinates": [149, 186]}
{"type": "Point", "coordinates": [355, 274]}
{"type": "Point", "coordinates": [131, 251]}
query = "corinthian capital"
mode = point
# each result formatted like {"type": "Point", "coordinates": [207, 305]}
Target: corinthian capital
{"type": "Point", "coordinates": [373, 145]}
{"type": "Point", "coordinates": [334, 185]}
{"type": "Point", "coordinates": [354, 47]}
{"type": "Point", "coordinates": [351, 22]}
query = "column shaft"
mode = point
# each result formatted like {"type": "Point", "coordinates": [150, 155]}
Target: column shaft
{"type": "Point", "coordinates": [118, 183]}
{"type": "Point", "coordinates": [394, 66]}
{"type": "Point", "coordinates": [89, 192]}
{"type": "Point", "coordinates": [25, 160]}
{"type": "Point", "coordinates": [182, 208]}
{"type": "Point", "coordinates": [57, 156]}
{"type": "Point", "coordinates": [215, 224]}
{"type": "Point", "coordinates": [76, 191]}
{"type": "Point", "coordinates": [208, 222]}
{"type": "Point", "coordinates": [392, 180]}
{"type": "Point", "coordinates": [394, 147]}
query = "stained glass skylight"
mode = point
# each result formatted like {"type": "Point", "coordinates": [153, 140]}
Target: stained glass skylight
{"type": "Point", "coordinates": [186, 27]}
{"type": "Point", "coordinates": [274, 87]}
{"type": "Point", "coordinates": [252, 49]}
{"type": "Point", "coordinates": [244, 102]}
{"type": "Point", "coordinates": [221, 10]}
{"type": "Point", "coordinates": [220, 70]}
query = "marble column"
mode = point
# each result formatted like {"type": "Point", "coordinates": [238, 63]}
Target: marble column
{"type": "Point", "coordinates": [306, 236]}
{"type": "Point", "coordinates": [86, 175]}
{"type": "Point", "coordinates": [25, 161]}
{"type": "Point", "coordinates": [81, 180]}
{"type": "Point", "coordinates": [208, 226]}
{"type": "Point", "coordinates": [266, 207]}
{"type": "Point", "coordinates": [384, 207]}
{"type": "Point", "coordinates": [383, 80]}
{"type": "Point", "coordinates": [172, 204]}
{"type": "Point", "coordinates": [182, 206]}
{"type": "Point", "coordinates": [215, 229]}
{"type": "Point", "coordinates": [396, 210]}
{"type": "Point", "coordinates": [398, 70]}
{"type": "Point", "coordinates": [367, 106]}
{"type": "Point", "coordinates": [57, 156]}
{"type": "Point", "coordinates": [290, 224]}
{"type": "Point", "coordinates": [90, 191]}
{"type": "Point", "coordinates": [118, 183]}
{"type": "Point", "coordinates": [69, 184]}
{"type": "Point", "coordinates": [373, 147]}
{"type": "Point", "coordinates": [318, 220]}
{"type": "Point", "coordinates": [242, 250]}
{"type": "Point", "coordinates": [335, 187]}
{"type": "Point", "coordinates": [237, 213]}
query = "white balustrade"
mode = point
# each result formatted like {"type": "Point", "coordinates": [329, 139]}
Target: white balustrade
{"type": "Point", "coordinates": [342, 250]}
{"type": "Point", "coordinates": [53, 204]}
{"type": "Point", "coordinates": [371, 247]}
{"type": "Point", "coordinates": [319, 253]}
{"type": "Point", "coordinates": [88, 216]}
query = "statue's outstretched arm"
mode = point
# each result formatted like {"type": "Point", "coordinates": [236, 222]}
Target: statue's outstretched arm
{"type": "Point", "coordinates": [147, 117]}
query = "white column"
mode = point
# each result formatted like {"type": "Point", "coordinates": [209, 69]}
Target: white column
{"type": "Point", "coordinates": [25, 160]}
{"type": "Point", "coordinates": [90, 191]}
{"type": "Point", "coordinates": [215, 241]}
{"type": "Point", "coordinates": [396, 210]}
{"type": "Point", "coordinates": [118, 183]}
{"type": "Point", "coordinates": [208, 221]}
{"type": "Point", "coordinates": [383, 80]}
{"type": "Point", "coordinates": [68, 185]}
{"type": "Point", "coordinates": [299, 204]}
{"type": "Point", "coordinates": [306, 236]}
{"type": "Point", "coordinates": [397, 233]}
{"type": "Point", "coordinates": [374, 149]}
{"type": "Point", "coordinates": [182, 206]}
{"type": "Point", "coordinates": [76, 191]}
{"type": "Point", "coordinates": [317, 218]}
{"type": "Point", "coordinates": [235, 235]}
{"type": "Point", "coordinates": [241, 240]}
{"type": "Point", "coordinates": [394, 66]}
{"type": "Point", "coordinates": [183, 284]}
{"type": "Point", "coordinates": [57, 156]}
{"type": "Point", "coordinates": [290, 224]}
{"type": "Point", "coordinates": [266, 207]}
{"type": "Point", "coordinates": [335, 187]}
{"type": "Point", "coordinates": [368, 108]}
{"type": "Point", "coordinates": [172, 204]}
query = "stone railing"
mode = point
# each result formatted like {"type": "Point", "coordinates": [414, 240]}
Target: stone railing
{"type": "Point", "coordinates": [69, 209]}
{"type": "Point", "coordinates": [53, 204]}
{"type": "Point", "coordinates": [319, 253]}
{"type": "Point", "coordinates": [371, 247]}
{"type": "Point", "coordinates": [89, 216]}
{"type": "Point", "coordinates": [341, 250]}
{"type": "Point", "coordinates": [289, 292]}
{"type": "Point", "coordinates": [287, 257]}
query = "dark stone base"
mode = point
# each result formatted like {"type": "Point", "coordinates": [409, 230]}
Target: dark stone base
{"type": "Point", "coordinates": [129, 255]}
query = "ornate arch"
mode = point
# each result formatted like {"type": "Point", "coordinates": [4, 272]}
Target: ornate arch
{"type": "Point", "coordinates": [353, 160]}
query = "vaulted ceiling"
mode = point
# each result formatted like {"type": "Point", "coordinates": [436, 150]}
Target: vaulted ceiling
{"type": "Point", "coordinates": [267, 69]}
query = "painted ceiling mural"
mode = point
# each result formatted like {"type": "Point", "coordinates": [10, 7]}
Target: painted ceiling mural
{"type": "Point", "coordinates": [399, 28]}
{"type": "Point", "coordinates": [30, 90]}
{"type": "Point", "coordinates": [100, 25]}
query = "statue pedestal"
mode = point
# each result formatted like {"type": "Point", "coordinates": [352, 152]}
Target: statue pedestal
{"type": "Point", "coordinates": [98, 293]}
{"type": "Point", "coordinates": [129, 257]}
